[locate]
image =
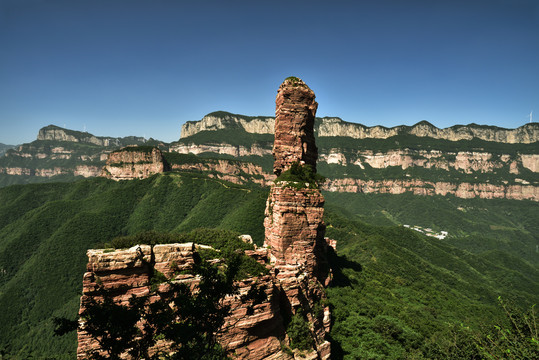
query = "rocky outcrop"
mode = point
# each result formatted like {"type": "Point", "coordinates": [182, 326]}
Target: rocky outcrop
{"type": "Point", "coordinates": [419, 187]}
{"type": "Point", "coordinates": [294, 126]}
{"type": "Point", "coordinates": [233, 171]}
{"type": "Point", "coordinates": [223, 120]}
{"type": "Point", "coordinates": [294, 211]}
{"type": "Point", "coordinates": [221, 149]}
{"type": "Point", "coordinates": [134, 163]}
{"type": "Point", "coordinates": [466, 162]}
{"type": "Point", "coordinates": [249, 333]}
{"type": "Point", "coordinates": [334, 126]}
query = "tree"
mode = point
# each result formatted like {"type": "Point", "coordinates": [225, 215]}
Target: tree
{"type": "Point", "coordinates": [185, 319]}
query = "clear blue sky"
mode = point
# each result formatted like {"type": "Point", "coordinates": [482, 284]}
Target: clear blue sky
{"type": "Point", "coordinates": [130, 67]}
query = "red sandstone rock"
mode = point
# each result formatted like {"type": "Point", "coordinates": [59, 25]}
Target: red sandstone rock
{"type": "Point", "coordinates": [294, 126]}
{"type": "Point", "coordinates": [254, 335]}
{"type": "Point", "coordinates": [293, 217]}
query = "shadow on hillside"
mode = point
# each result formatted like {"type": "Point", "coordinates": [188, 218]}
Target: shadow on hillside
{"type": "Point", "coordinates": [338, 263]}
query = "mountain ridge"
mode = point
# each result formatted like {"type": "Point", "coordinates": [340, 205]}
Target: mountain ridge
{"type": "Point", "coordinates": [335, 126]}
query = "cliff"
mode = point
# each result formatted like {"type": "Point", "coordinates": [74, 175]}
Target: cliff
{"type": "Point", "coordinates": [57, 133]}
{"type": "Point", "coordinates": [336, 127]}
{"type": "Point", "coordinates": [136, 162]}
{"type": "Point", "coordinates": [294, 253]}
{"type": "Point", "coordinates": [60, 152]}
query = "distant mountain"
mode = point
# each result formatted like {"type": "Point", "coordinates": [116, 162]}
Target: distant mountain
{"type": "Point", "coordinates": [62, 155]}
{"type": "Point", "coordinates": [4, 148]}
{"type": "Point", "coordinates": [336, 127]}
{"type": "Point", "coordinates": [465, 161]}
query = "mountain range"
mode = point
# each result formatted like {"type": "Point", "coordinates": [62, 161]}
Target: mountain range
{"type": "Point", "coordinates": [397, 292]}
{"type": "Point", "coordinates": [465, 161]}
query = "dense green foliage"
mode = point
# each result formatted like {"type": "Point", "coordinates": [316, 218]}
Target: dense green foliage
{"type": "Point", "coordinates": [396, 293]}
{"type": "Point", "coordinates": [300, 176]}
{"type": "Point", "coordinates": [399, 294]}
{"type": "Point", "coordinates": [45, 230]}
{"type": "Point", "coordinates": [496, 228]}
{"type": "Point", "coordinates": [299, 333]}
{"type": "Point", "coordinates": [235, 136]}
{"type": "Point", "coordinates": [140, 148]}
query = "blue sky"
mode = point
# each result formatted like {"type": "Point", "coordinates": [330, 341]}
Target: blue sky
{"type": "Point", "coordinates": [130, 67]}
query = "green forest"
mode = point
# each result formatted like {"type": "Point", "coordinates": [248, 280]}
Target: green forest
{"type": "Point", "coordinates": [396, 293]}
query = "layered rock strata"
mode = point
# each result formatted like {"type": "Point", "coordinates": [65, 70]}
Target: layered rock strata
{"type": "Point", "coordinates": [294, 126]}
{"type": "Point", "coordinates": [334, 126]}
{"type": "Point", "coordinates": [462, 190]}
{"type": "Point", "coordinates": [134, 163]}
{"type": "Point", "coordinates": [294, 211]}
{"type": "Point", "coordinates": [251, 333]}
{"type": "Point", "coordinates": [234, 171]}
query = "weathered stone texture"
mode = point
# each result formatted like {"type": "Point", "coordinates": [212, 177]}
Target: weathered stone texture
{"type": "Point", "coordinates": [127, 164]}
{"type": "Point", "coordinates": [294, 126]}
{"type": "Point", "coordinates": [294, 216]}
{"type": "Point", "coordinates": [294, 225]}
{"type": "Point", "coordinates": [248, 335]}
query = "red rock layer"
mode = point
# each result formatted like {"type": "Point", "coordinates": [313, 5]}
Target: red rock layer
{"type": "Point", "coordinates": [294, 125]}
{"type": "Point", "coordinates": [294, 225]}
{"type": "Point", "coordinates": [293, 217]}
{"type": "Point", "coordinates": [257, 334]}
{"type": "Point", "coordinates": [129, 164]}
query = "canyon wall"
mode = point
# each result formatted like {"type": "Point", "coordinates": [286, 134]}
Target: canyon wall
{"type": "Point", "coordinates": [56, 133]}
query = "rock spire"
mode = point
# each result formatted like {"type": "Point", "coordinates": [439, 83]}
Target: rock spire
{"type": "Point", "coordinates": [295, 110]}
{"type": "Point", "coordinates": [294, 211]}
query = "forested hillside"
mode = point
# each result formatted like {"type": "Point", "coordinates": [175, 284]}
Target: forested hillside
{"type": "Point", "coordinates": [395, 290]}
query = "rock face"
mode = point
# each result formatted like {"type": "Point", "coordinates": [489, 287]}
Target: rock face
{"type": "Point", "coordinates": [236, 172]}
{"type": "Point", "coordinates": [334, 126]}
{"type": "Point", "coordinates": [293, 217]}
{"type": "Point", "coordinates": [463, 190]}
{"type": "Point", "coordinates": [294, 254]}
{"type": "Point", "coordinates": [255, 334]}
{"type": "Point", "coordinates": [294, 126]}
{"type": "Point", "coordinates": [57, 133]}
{"type": "Point", "coordinates": [134, 163]}
{"type": "Point", "coordinates": [222, 120]}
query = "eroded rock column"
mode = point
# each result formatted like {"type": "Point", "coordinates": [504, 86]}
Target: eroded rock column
{"type": "Point", "coordinates": [294, 213]}
{"type": "Point", "coordinates": [295, 110]}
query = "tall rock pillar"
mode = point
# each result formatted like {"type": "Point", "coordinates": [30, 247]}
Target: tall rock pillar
{"type": "Point", "coordinates": [295, 111]}
{"type": "Point", "coordinates": [294, 211]}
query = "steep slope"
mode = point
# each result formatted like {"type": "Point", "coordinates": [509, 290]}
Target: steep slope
{"type": "Point", "coordinates": [50, 226]}
{"type": "Point", "coordinates": [4, 148]}
{"type": "Point", "coordinates": [400, 293]}
{"type": "Point", "coordinates": [45, 230]}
